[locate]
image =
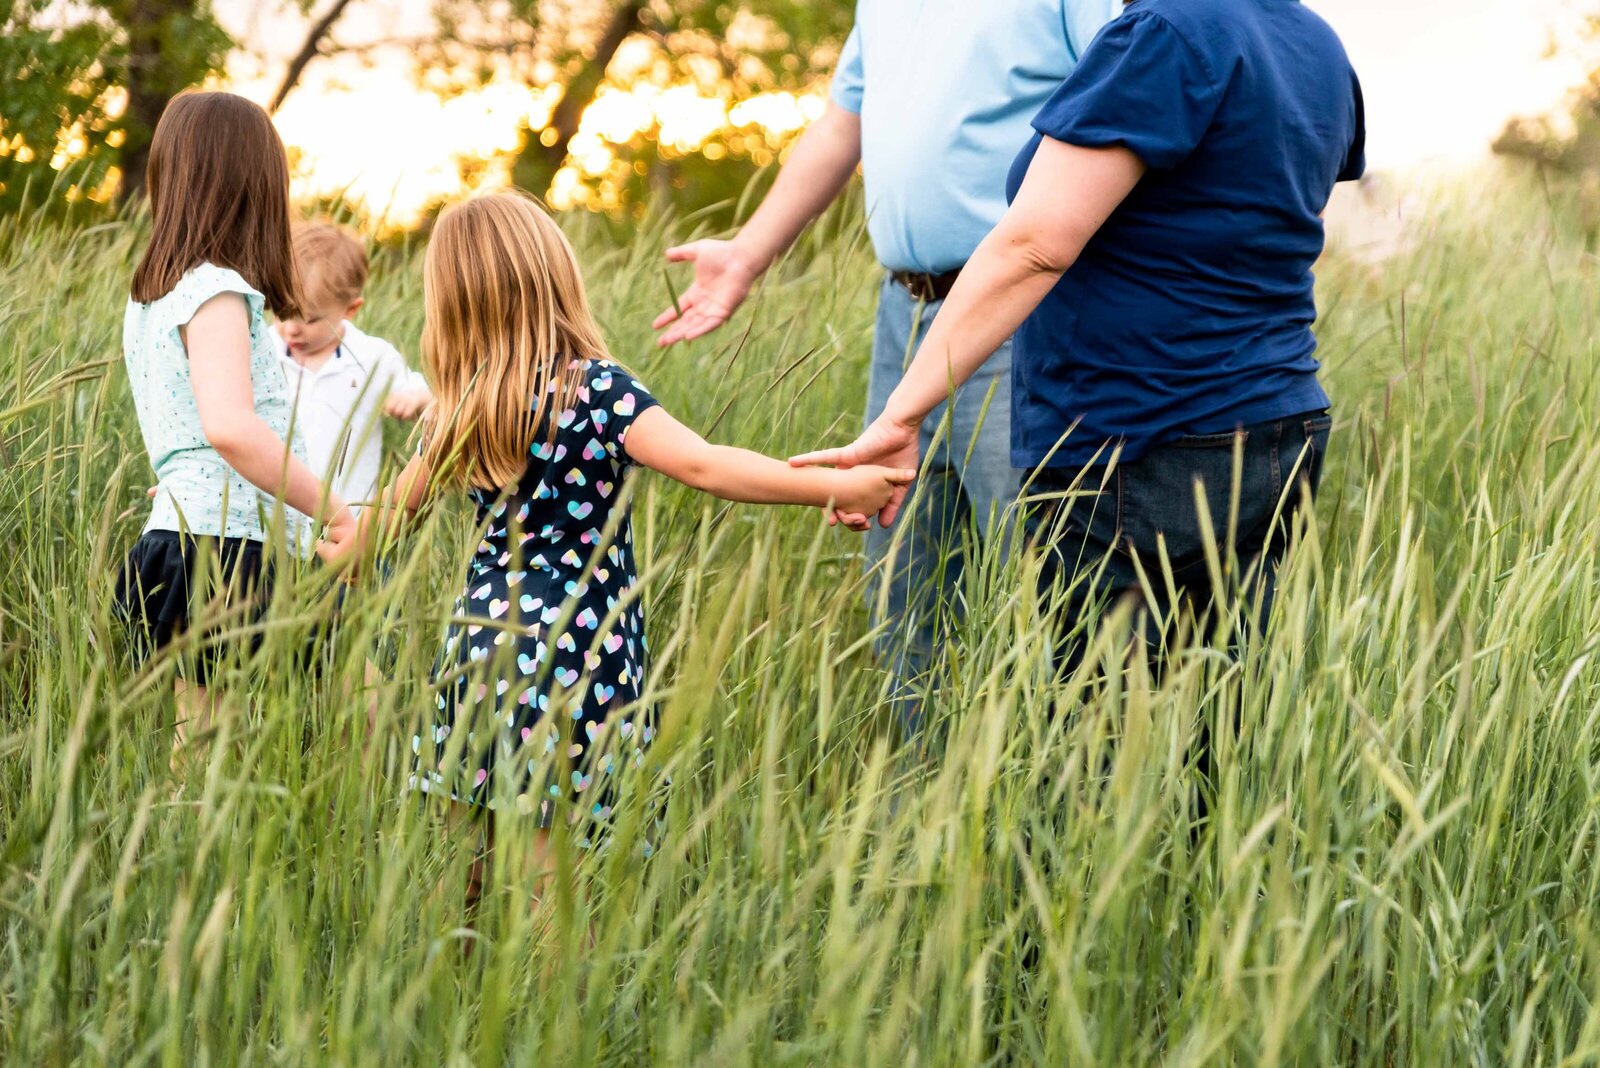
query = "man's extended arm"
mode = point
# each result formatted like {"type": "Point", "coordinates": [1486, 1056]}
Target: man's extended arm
{"type": "Point", "coordinates": [817, 170]}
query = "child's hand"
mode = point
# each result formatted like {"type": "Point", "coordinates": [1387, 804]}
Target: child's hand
{"type": "Point", "coordinates": [866, 490]}
{"type": "Point", "coordinates": [407, 403]}
{"type": "Point", "coordinates": [340, 544]}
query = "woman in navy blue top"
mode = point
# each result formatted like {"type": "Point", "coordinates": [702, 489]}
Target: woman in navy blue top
{"type": "Point", "coordinates": [1156, 266]}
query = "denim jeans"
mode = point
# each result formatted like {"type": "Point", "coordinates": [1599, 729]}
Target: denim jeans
{"type": "Point", "coordinates": [966, 485]}
{"type": "Point", "coordinates": [1101, 526]}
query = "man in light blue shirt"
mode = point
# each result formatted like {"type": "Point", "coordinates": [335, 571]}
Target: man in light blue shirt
{"type": "Point", "coordinates": [934, 98]}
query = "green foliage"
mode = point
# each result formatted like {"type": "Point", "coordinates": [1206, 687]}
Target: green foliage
{"type": "Point", "coordinates": [55, 89]}
{"type": "Point", "coordinates": [85, 84]}
{"type": "Point", "coordinates": [1399, 868]}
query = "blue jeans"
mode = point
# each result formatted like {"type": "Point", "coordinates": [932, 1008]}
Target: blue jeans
{"type": "Point", "coordinates": [1111, 534]}
{"type": "Point", "coordinates": [966, 485]}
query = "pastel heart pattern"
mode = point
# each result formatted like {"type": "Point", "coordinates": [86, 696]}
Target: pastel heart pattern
{"type": "Point", "coordinates": [591, 659]}
{"type": "Point", "coordinates": [594, 450]}
{"type": "Point", "coordinates": [481, 593]}
{"type": "Point", "coordinates": [579, 510]}
{"type": "Point", "coordinates": [625, 406]}
{"type": "Point", "coordinates": [529, 603]}
{"type": "Point", "coordinates": [514, 578]}
{"type": "Point", "coordinates": [567, 644]}
{"type": "Point", "coordinates": [498, 608]}
{"type": "Point", "coordinates": [551, 614]}
{"type": "Point", "coordinates": [575, 477]}
{"type": "Point", "coordinates": [612, 642]}
{"type": "Point", "coordinates": [603, 694]}
{"type": "Point", "coordinates": [604, 488]}
{"type": "Point", "coordinates": [587, 619]}
{"type": "Point", "coordinates": [566, 676]}
{"type": "Point", "coordinates": [567, 417]}
{"type": "Point", "coordinates": [527, 665]}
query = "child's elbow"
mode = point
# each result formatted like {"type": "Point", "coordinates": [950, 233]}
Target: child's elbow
{"type": "Point", "coordinates": [223, 439]}
{"type": "Point", "coordinates": [699, 469]}
{"type": "Point", "coordinates": [226, 436]}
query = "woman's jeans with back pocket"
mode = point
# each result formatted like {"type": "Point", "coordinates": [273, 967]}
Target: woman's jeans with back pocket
{"type": "Point", "coordinates": [1121, 532]}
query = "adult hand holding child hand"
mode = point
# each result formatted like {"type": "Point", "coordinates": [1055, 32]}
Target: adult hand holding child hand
{"type": "Point", "coordinates": [889, 442]}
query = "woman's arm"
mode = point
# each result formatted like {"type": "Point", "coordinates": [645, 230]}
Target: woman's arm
{"type": "Point", "coordinates": [218, 343]}
{"type": "Point", "coordinates": [658, 441]}
{"type": "Point", "coordinates": [1068, 194]}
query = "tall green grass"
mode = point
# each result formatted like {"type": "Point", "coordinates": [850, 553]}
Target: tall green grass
{"type": "Point", "coordinates": [1399, 868]}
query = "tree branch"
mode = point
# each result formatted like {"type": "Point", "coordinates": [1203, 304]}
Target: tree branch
{"type": "Point", "coordinates": [310, 48]}
{"type": "Point", "coordinates": [580, 91]}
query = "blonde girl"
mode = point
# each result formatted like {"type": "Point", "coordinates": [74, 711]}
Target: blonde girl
{"type": "Point", "coordinates": [547, 646]}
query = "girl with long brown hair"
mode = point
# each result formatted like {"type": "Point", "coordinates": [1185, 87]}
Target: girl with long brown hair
{"type": "Point", "coordinates": [213, 405]}
{"type": "Point", "coordinates": [544, 659]}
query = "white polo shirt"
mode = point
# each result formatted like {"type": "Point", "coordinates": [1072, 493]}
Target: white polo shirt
{"type": "Point", "coordinates": [338, 408]}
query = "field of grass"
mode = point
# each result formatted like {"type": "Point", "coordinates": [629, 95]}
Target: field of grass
{"type": "Point", "coordinates": [1400, 867]}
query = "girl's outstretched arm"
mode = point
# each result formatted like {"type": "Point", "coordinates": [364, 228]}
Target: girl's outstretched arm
{"type": "Point", "coordinates": [217, 339]}
{"type": "Point", "coordinates": [658, 441]}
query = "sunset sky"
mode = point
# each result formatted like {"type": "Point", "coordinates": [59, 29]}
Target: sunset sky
{"type": "Point", "coordinates": [1441, 78]}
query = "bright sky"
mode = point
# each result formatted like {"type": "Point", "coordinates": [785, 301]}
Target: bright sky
{"type": "Point", "coordinates": [1441, 77]}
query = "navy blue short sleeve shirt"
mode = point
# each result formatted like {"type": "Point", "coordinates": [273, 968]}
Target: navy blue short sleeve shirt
{"type": "Point", "coordinates": [1190, 312]}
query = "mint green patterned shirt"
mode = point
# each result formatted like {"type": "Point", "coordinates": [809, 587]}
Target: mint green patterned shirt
{"type": "Point", "coordinates": [197, 492]}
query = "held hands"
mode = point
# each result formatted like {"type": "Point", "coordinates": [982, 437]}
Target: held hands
{"type": "Point", "coordinates": [889, 442]}
{"type": "Point", "coordinates": [340, 543]}
{"type": "Point", "coordinates": [865, 491]}
{"type": "Point", "coordinates": [723, 275]}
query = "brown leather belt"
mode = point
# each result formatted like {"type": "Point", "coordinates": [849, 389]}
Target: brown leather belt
{"type": "Point", "coordinates": [926, 287]}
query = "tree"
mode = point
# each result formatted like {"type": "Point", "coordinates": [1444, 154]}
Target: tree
{"type": "Point", "coordinates": [55, 88]}
{"type": "Point", "coordinates": [737, 47]}
{"type": "Point", "coordinates": [88, 82]}
{"type": "Point", "coordinates": [166, 47]}
{"type": "Point", "coordinates": [1570, 143]}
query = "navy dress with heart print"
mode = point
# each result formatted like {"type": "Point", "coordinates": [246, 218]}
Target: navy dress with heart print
{"type": "Point", "coordinates": [546, 644]}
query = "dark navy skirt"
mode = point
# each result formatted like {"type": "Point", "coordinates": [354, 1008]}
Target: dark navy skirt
{"type": "Point", "coordinates": [169, 579]}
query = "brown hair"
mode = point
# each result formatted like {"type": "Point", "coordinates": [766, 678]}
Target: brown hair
{"type": "Point", "coordinates": [219, 193]}
{"type": "Point", "coordinates": [507, 322]}
{"type": "Point", "coordinates": [331, 263]}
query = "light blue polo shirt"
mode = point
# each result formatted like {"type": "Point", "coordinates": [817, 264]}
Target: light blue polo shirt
{"type": "Point", "coordinates": [946, 91]}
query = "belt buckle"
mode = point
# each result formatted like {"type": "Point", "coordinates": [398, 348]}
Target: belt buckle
{"type": "Point", "coordinates": [919, 285]}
